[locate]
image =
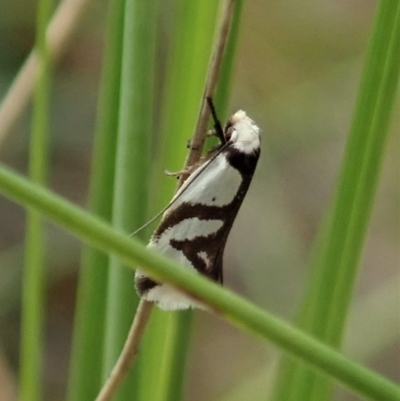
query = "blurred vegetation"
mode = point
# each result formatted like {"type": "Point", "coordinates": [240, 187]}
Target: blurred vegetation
{"type": "Point", "coordinates": [297, 71]}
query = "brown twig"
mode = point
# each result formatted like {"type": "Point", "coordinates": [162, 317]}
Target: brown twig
{"type": "Point", "coordinates": [128, 353]}
{"type": "Point", "coordinates": [214, 68]}
{"type": "Point", "coordinates": [143, 312]}
{"type": "Point", "coordinates": [59, 32]}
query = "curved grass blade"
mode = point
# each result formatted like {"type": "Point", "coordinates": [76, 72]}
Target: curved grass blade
{"type": "Point", "coordinates": [90, 307]}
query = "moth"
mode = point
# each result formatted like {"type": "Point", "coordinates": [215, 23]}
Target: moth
{"type": "Point", "coordinates": [195, 227]}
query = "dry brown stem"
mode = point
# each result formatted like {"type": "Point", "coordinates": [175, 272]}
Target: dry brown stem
{"type": "Point", "coordinates": [143, 312]}
{"type": "Point", "coordinates": [59, 32]}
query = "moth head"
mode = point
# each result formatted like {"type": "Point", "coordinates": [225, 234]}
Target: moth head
{"type": "Point", "coordinates": [243, 133]}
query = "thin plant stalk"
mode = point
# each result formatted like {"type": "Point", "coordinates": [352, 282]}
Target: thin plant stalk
{"type": "Point", "coordinates": [135, 128]}
{"type": "Point", "coordinates": [164, 354]}
{"type": "Point", "coordinates": [177, 336]}
{"type": "Point", "coordinates": [32, 324]}
{"type": "Point", "coordinates": [124, 363]}
{"type": "Point", "coordinates": [171, 387]}
{"type": "Point", "coordinates": [199, 136]}
{"type": "Point", "coordinates": [221, 98]}
{"type": "Point", "coordinates": [90, 307]}
{"type": "Point", "coordinates": [58, 35]}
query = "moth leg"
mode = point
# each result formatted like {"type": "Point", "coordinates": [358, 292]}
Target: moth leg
{"type": "Point", "coordinates": [189, 145]}
{"type": "Point", "coordinates": [177, 174]}
{"type": "Point", "coordinates": [187, 170]}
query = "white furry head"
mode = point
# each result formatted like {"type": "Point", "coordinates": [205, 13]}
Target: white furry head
{"type": "Point", "coordinates": [245, 133]}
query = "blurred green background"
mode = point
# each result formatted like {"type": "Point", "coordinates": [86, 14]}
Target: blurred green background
{"type": "Point", "coordinates": [296, 74]}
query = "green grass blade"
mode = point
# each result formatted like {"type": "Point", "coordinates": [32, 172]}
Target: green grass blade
{"type": "Point", "coordinates": [368, 181]}
{"type": "Point", "coordinates": [232, 307]}
{"type": "Point", "coordinates": [186, 72]}
{"type": "Point", "coordinates": [32, 324]}
{"type": "Point", "coordinates": [90, 308]}
{"type": "Point", "coordinates": [131, 172]}
{"type": "Point", "coordinates": [174, 356]}
{"type": "Point", "coordinates": [335, 271]}
{"type": "Point", "coordinates": [168, 334]}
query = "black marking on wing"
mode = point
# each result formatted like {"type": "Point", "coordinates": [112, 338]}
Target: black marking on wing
{"type": "Point", "coordinates": [144, 284]}
{"type": "Point", "coordinates": [213, 245]}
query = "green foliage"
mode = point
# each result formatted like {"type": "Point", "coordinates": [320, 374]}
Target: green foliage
{"type": "Point", "coordinates": [328, 301]}
{"type": "Point", "coordinates": [132, 167]}
{"type": "Point", "coordinates": [232, 307]}
{"type": "Point", "coordinates": [121, 171]}
{"type": "Point", "coordinates": [91, 300]}
{"type": "Point", "coordinates": [165, 345]}
{"type": "Point", "coordinates": [32, 337]}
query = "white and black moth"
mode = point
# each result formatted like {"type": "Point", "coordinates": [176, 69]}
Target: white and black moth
{"type": "Point", "coordinates": [195, 227]}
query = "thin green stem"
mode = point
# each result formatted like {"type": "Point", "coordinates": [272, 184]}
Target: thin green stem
{"type": "Point", "coordinates": [186, 72]}
{"type": "Point", "coordinates": [135, 128]}
{"type": "Point", "coordinates": [32, 325]}
{"type": "Point", "coordinates": [89, 333]}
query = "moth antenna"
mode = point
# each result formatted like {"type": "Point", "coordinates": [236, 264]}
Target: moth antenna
{"type": "Point", "coordinates": [219, 132]}
{"type": "Point", "coordinates": [177, 197]}
{"type": "Point", "coordinates": [154, 218]}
